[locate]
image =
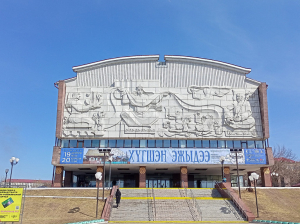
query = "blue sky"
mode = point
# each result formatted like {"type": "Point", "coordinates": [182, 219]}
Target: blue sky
{"type": "Point", "coordinates": [40, 41]}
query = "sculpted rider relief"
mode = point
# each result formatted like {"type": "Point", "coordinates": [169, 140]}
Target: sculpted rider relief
{"type": "Point", "coordinates": [141, 108]}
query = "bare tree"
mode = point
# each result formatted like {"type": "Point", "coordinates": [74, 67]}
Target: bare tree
{"type": "Point", "coordinates": [286, 170]}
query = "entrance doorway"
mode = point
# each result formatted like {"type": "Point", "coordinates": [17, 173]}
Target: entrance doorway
{"type": "Point", "coordinates": [158, 183]}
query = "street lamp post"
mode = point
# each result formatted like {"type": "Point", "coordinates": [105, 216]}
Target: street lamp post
{"type": "Point", "coordinates": [13, 161]}
{"type": "Point", "coordinates": [109, 159]}
{"type": "Point", "coordinates": [6, 171]}
{"type": "Point", "coordinates": [236, 151]}
{"type": "Point", "coordinates": [222, 159]}
{"type": "Point", "coordinates": [103, 180]}
{"type": "Point", "coordinates": [254, 177]}
{"type": "Point", "coordinates": [98, 176]}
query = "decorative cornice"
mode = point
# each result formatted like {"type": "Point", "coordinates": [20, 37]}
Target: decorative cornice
{"type": "Point", "coordinates": [96, 64]}
{"type": "Point", "coordinates": [208, 62]}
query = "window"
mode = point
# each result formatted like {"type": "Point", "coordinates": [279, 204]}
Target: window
{"type": "Point", "coordinates": [80, 144]}
{"type": "Point", "coordinates": [221, 144]}
{"type": "Point", "coordinates": [127, 143]}
{"type": "Point", "coordinates": [190, 143]}
{"type": "Point", "coordinates": [135, 143]}
{"type": "Point", "coordinates": [205, 143]}
{"type": "Point", "coordinates": [174, 143]}
{"type": "Point", "coordinates": [87, 143]}
{"type": "Point", "coordinates": [167, 143]}
{"type": "Point", "coordinates": [112, 143]}
{"type": "Point", "coordinates": [73, 143]}
{"type": "Point", "coordinates": [120, 143]}
{"type": "Point", "coordinates": [143, 143]}
{"type": "Point", "coordinates": [198, 144]}
{"type": "Point", "coordinates": [213, 144]}
{"type": "Point", "coordinates": [151, 143]}
{"type": "Point", "coordinates": [237, 144]}
{"type": "Point", "coordinates": [259, 144]}
{"type": "Point", "coordinates": [103, 143]}
{"type": "Point", "coordinates": [159, 143]}
{"type": "Point", "coordinates": [95, 143]}
{"type": "Point", "coordinates": [182, 143]}
{"type": "Point", "coordinates": [65, 143]}
{"type": "Point", "coordinates": [229, 144]}
{"type": "Point", "coordinates": [251, 145]}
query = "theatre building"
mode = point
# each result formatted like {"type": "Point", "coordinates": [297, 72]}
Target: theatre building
{"type": "Point", "coordinates": [167, 124]}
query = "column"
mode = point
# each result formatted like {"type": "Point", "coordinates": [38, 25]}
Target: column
{"type": "Point", "coordinates": [58, 179]}
{"type": "Point", "coordinates": [100, 169]}
{"type": "Point", "coordinates": [265, 177]}
{"type": "Point", "coordinates": [227, 174]}
{"type": "Point", "coordinates": [68, 179]}
{"type": "Point", "coordinates": [142, 177]}
{"type": "Point", "coordinates": [183, 177]}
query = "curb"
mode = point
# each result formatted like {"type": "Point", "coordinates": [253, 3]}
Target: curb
{"type": "Point", "coordinates": [270, 221]}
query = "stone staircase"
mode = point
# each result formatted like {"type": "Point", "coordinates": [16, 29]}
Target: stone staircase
{"type": "Point", "coordinates": [174, 204]}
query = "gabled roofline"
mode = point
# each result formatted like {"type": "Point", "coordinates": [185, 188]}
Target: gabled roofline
{"type": "Point", "coordinates": [115, 60]}
{"type": "Point", "coordinates": [207, 61]}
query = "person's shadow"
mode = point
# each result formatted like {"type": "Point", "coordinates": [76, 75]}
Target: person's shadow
{"type": "Point", "coordinates": [77, 210]}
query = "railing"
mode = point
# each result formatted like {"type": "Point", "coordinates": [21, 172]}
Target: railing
{"type": "Point", "coordinates": [228, 193]}
{"type": "Point", "coordinates": [150, 206]}
{"type": "Point", "coordinates": [109, 204]}
{"type": "Point", "coordinates": [196, 205]}
{"type": "Point", "coordinates": [154, 204]}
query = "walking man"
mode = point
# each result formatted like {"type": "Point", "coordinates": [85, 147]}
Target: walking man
{"type": "Point", "coordinates": [118, 197]}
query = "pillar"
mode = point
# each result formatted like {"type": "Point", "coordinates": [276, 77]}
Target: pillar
{"type": "Point", "coordinates": [142, 177]}
{"type": "Point", "coordinates": [68, 179]}
{"type": "Point", "coordinates": [250, 184]}
{"type": "Point", "coordinates": [100, 169]}
{"type": "Point", "coordinates": [58, 179]}
{"type": "Point", "coordinates": [227, 174]}
{"type": "Point", "coordinates": [266, 177]}
{"type": "Point", "coordinates": [183, 177]}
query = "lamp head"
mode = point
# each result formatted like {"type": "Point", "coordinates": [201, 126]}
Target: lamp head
{"type": "Point", "coordinates": [222, 158]}
{"type": "Point", "coordinates": [250, 178]}
{"type": "Point", "coordinates": [6, 171]}
{"type": "Point", "coordinates": [13, 158]}
{"type": "Point", "coordinates": [17, 160]}
{"type": "Point", "coordinates": [98, 175]}
{"type": "Point", "coordinates": [255, 176]}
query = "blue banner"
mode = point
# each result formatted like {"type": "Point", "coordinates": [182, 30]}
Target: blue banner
{"type": "Point", "coordinates": [255, 156]}
{"type": "Point", "coordinates": [162, 156]}
{"type": "Point", "coordinates": [71, 156]}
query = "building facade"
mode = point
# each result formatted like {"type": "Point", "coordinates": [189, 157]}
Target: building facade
{"type": "Point", "coordinates": [167, 124]}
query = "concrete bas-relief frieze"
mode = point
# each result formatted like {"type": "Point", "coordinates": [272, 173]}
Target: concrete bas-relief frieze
{"type": "Point", "coordinates": [142, 109]}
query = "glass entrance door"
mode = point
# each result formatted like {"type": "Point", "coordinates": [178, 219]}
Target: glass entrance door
{"type": "Point", "coordinates": [157, 183]}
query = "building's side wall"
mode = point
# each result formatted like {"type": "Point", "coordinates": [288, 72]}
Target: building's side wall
{"type": "Point", "coordinates": [263, 100]}
{"type": "Point", "coordinates": [60, 108]}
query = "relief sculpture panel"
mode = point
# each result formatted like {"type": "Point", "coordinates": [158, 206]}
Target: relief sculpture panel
{"type": "Point", "coordinates": [141, 109]}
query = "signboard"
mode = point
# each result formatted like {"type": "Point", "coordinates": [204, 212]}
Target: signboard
{"type": "Point", "coordinates": [162, 156]}
{"type": "Point", "coordinates": [10, 204]}
{"type": "Point", "coordinates": [71, 156]}
{"type": "Point", "coordinates": [255, 156]}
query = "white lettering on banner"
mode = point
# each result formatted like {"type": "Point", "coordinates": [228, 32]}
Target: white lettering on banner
{"type": "Point", "coordinates": [175, 155]}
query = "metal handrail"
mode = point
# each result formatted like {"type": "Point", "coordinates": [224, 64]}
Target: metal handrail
{"type": "Point", "coordinates": [154, 204]}
{"type": "Point", "coordinates": [232, 198]}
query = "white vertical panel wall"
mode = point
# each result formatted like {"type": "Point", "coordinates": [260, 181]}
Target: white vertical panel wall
{"type": "Point", "coordinates": [173, 74]}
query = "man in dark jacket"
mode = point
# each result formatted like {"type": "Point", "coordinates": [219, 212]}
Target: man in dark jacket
{"type": "Point", "coordinates": [118, 197]}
